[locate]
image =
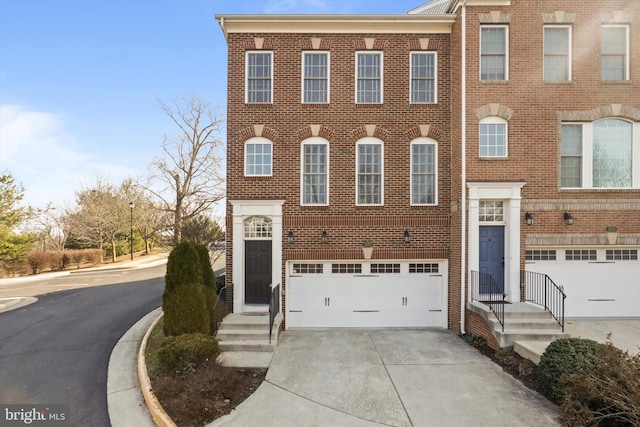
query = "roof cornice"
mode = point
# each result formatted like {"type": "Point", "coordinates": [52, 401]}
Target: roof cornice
{"type": "Point", "coordinates": [346, 24]}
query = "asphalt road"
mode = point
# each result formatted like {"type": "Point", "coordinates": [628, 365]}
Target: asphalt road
{"type": "Point", "coordinates": [56, 351]}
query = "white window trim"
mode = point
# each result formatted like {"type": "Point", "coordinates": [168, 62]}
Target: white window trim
{"type": "Point", "coordinates": [506, 54]}
{"type": "Point", "coordinates": [570, 54]}
{"type": "Point", "coordinates": [328, 76]}
{"type": "Point", "coordinates": [365, 52]}
{"type": "Point", "coordinates": [495, 120]}
{"type": "Point", "coordinates": [587, 156]}
{"type": "Point", "coordinates": [316, 140]}
{"type": "Point", "coordinates": [627, 54]}
{"type": "Point", "coordinates": [435, 75]}
{"type": "Point", "coordinates": [246, 75]}
{"type": "Point", "coordinates": [364, 141]}
{"type": "Point", "coordinates": [257, 140]}
{"type": "Point", "coordinates": [424, 141]}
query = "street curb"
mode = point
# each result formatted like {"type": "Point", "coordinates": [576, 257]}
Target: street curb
{"type": "Point", "coordinates": [160, 417]}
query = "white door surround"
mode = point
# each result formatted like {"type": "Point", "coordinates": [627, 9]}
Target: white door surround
{"type": "Point", "coordinates": [243, 209]}
{"type": "Point", "coordinates": [510, 194]}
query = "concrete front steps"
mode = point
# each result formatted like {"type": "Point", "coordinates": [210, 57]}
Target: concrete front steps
{"type": "Point", "coordinates": [528, 328]}
{"type": "Point", "coordinates": [243, 339]}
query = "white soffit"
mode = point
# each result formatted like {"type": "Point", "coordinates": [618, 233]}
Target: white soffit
{"type": "Point", "coordinates": [338, 24]}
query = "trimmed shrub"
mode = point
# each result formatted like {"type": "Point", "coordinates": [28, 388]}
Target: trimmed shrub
{"type": "Point", "coordinates": [183, 354]}
{"type": "Point", "coordinates": [183, 267]}
{"type": "Point", "coordinates": [564, 357]}
{"type": "Point", "coordinates": [606, 394]}
{"type": "Point", "coordinates": [209, 282]}
{"type": "Point", "coordinates": [184, 301]}
{"type": "Point", "coordinates": [185, 310]}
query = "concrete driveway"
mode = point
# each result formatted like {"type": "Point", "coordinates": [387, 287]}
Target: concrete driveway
{"type": "Point", "coordinates": [391, 377]}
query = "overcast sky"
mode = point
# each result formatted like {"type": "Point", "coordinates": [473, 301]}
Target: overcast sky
{"type": "Point", "coordinates": [80, 81]}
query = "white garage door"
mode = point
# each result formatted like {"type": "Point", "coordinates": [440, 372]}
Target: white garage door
{"type": "Point", "coordinates": [366, 294]}
{"type": "Point", "coordinates": [597, 282]}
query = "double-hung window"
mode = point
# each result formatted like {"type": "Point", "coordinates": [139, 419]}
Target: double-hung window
{"type": "Point", "coordinates": [424, 171]}
{"type": "Point", "coordinates": [600, 154]}
{"type": "Point", "coordinates": [368, 77]}
{"type": "Point", "coordinates": [315, 77]}
{"type": "Point", "coordinates": [369, 171]}
{"type": "Point", "coordinates": [557, 53]}
{"type": "Point", "coordinates": [494, 50]}
{"type": "Point", "coordinates": [259, 72]}
{"type": "Point", "coordinates": [315, 171]}
{"type": "Point", "coordinates": [493, 137]}
{"type": "Point", "coordinates": [258, 157]}
{"type": "Point", "coordinates": [423, 77]}
{"type": "Point", "coordinates": [615, 53]}
{"type": "Point", "coordinates": [571, 156]}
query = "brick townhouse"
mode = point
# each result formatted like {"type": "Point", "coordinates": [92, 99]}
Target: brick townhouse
{"type": "Point", "coordinates": [381, 167]}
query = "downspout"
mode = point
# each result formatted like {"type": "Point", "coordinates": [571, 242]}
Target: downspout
{"type": "Point", "coordinates": [463, 176]}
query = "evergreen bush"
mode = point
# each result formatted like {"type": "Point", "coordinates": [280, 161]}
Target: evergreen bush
{"type": "Point", "coordinates": [183, 266]}
{"type": "Point", "coordinates": [183, 354]}
{"type": "Point", "coordinates": [185, 310]}
{"type": "Point", "coordinates": [209, 281]}
{"type": "Point", "coordinates": [184, 301]}
{"type": "Point", "coordinates": [564, 357]}
{"type": "Point", "coordinates": [606, 394]}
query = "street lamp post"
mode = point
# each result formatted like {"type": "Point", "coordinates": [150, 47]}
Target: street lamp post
{"type": "Point", "coordinates": [131, 205]}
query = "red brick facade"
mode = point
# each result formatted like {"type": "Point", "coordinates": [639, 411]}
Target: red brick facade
{"type": "Point", "coordinates": [534, 110]}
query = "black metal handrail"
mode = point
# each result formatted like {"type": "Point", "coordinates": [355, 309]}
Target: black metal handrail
{"type": "Point", "coordinates": [542, 291]}
{"type": "Point", "coordinates": [219, 310]}
{"type": "Point", "coordinates": [274, 307]}
{"type": "Point", "coordinates": [486, 290]}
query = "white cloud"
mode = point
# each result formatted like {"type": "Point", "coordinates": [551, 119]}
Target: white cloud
{"type": "Point", "coordinates": [41, 153]}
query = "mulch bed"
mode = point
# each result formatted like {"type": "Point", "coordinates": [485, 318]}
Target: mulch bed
{"type": "Point", "coordinates": [210, 393]}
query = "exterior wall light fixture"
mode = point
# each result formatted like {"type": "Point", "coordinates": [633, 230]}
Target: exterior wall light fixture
{"type": "Point", "coordinates": [568, 218]}
{"type": "Point", "coordinates": [528, 217]}
{"type": "Point", "coordinates": [367, 249]}
{"type": "Point", "coordinates": [290, 237]}
{"type": "Point", "coordinates": [325, 236]}
{"type": "Point", "coordinates": [407, 236]}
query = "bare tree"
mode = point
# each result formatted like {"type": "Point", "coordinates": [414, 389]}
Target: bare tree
{"type": "Point", "coordinates": [101, 216]}
{"type": "Point", "coordinates": [149, 219]}
{"type": "Point", "coordinates": [188, 180]}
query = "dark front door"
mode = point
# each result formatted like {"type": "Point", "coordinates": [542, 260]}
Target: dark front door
{"type": "Point", "coordinates": [492, 256]}
{"type": "Point", "coordinates": [257, 271]}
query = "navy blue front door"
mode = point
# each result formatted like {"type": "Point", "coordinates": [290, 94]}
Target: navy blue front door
{"type": "Point", "coordinates": [492, 255]}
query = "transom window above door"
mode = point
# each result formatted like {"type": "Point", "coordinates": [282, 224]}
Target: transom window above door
{"type": "Point", "coordinates": [258, 227]}
{"type": "Point", "coordinates": [491, 211]}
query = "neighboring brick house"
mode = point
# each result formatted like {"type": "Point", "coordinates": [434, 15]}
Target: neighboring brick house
{"type": "Point", "coordinates": [352, 132]}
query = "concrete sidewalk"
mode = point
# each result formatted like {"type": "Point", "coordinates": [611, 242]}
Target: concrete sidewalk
{"type": "Point", "coordinates": [394, 377]}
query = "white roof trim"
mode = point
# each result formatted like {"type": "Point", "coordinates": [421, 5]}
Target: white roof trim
{"type": "Point", "coordinates": [346, 24]}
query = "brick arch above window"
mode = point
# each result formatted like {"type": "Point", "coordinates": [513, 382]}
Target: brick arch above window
{"type": "Point", "coordinates": [604, 111]}
{"type": "Point", "coordinates": [494, 109]}
{"type": "Point", "coordinates": [258, 130]}
{"type": "Point", "coordinates": [370, 130]}
{"type": "Point", "coordinates": [429, 131]}
{"type": "Point", "coordinates": [314, 130]}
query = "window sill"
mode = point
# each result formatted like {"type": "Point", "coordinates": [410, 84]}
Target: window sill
{"type": "Point", "coordinates": [617, 82]}
{"type": "Point", "coordinates": [314, 207]}
{"type": "Point", "coordinates": [600, 190]}
{"type": "Point", "coordinates": [500, 82]}
{"type": "Point", "coordinates": [500, 159]}
{"type": "Point", "coordinates": [558, 82]}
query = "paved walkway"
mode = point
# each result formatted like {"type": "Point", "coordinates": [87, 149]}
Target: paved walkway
{"type": "Point", "coordinates": [392, 377]}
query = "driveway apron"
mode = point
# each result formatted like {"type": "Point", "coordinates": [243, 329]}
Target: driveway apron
{"type": "Point", "coordinates": [391, 377]}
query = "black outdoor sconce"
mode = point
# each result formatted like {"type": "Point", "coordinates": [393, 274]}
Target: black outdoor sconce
{"type": "Point", "coordinates": [568, 218]}
{"type": "Point", "coordinates": [528, 217]}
